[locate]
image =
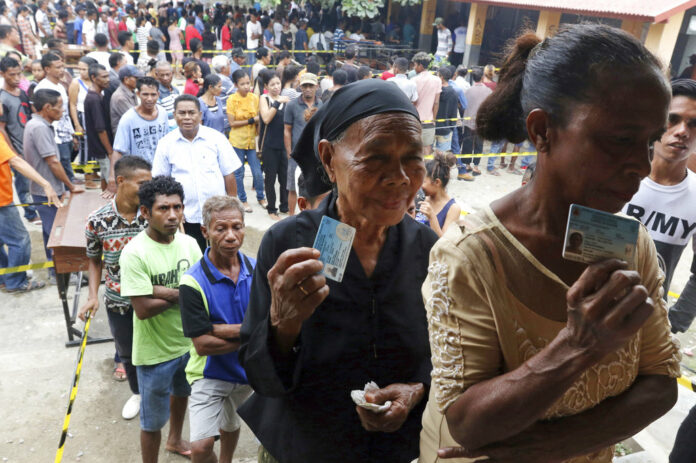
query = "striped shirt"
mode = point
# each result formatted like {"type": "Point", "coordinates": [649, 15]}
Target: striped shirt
{"type": "Point", "coordinates": [107, 233]}
{"type": "Point", "coordinates": [444, 42]}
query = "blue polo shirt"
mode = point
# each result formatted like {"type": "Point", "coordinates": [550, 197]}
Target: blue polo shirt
{"type": "Point", "coordinates": [207, 297]}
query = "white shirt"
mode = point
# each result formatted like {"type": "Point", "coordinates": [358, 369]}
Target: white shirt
{"type": "Point", "coordinates": [88, 31]}
{"type": "Point", "coordinates": [199, 166]}
{"type": "Point", "coordinates": [406, 86]}
{"type": "Point", "coordinates": [102, 58]}
{"type": "Point", "coordinates": [63, 126]}
{"type": "Point", "coordinates": [277, 32]}
{"type": "Point", "coordinates": [251, 28]}
{"type": "Point", "coordinates": [356, 36]}
{"type": "Point", "coordinates": [316, 37]}
{"type": "Point", "coordinates": [40, 17]}
{"type": "Point", "coordinates": [462, 83]}
{"type": "Point", "coordinates": [460, 39]}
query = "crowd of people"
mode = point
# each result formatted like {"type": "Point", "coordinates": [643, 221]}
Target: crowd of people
{"type": "Point", "coordinates": [462, 323]}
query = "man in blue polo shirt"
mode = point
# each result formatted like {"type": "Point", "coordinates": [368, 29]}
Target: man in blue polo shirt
{"type": "Point", "coordinates": [213, 296]}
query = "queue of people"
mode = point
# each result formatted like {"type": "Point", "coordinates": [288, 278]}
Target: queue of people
{"type": "Point", "coordinates": [462, 323]}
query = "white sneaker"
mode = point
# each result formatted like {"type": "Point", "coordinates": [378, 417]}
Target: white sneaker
{"type": "Point", "coordinates": [131, 408]}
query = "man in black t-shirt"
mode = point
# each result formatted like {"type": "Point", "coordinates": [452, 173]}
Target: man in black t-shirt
{"type": "Point", "coordinates": [99, 136]}
{"type": "Point", "coordinates": [446, 110]}
{"type": "Point", "coordinates": [16, 112]}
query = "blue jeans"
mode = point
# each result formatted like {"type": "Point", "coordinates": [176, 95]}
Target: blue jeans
{"type": "Point", "coordinates": [251, 59]}
{"type": "Point", "coordinates": [156, 383]}
{"type": "Point", "coordinates": [65, 150]}
{"type": "Point", "coordinates": [524, 147]}
{"type": "Point", "coordinates": [496, 147]}
{"type": "Point", "coordinates": [443, 142]}
{"type": "Point", "coordinates": [249, 156]}
{"type": "Point", "coordinates": [16, 238]}
{"type": "Point", "coordinates": [48, 215]}
{"type": "Point", "coordinates": [22, 186]}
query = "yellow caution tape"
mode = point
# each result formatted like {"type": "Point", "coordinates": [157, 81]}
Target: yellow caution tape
{"type": "Point", "coordinates": [73, 391]}
{"type": "Point", "coordinates": [492, 155]}
{"type": "Point", "coordinates": [687, 383]}
{"type": "Point", "coordinates": [24, 268]}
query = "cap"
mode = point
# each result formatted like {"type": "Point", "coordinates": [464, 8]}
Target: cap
{"type": "Point", "coordinates": [438, 21]}
{"type": "Point", "coordinates": [129, 71]}
{"type": "Point", "coordinates": [309, 78]}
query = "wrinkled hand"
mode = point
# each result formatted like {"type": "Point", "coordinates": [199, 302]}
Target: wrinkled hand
{"type": "Point", "coordinates": [607, 305]}
{"type": "Point", "coordinates": [403, 397]}
{"type": "Point", "coordinates": [297, 288]}
{"type": "Point", "coordinates": [91, 306]}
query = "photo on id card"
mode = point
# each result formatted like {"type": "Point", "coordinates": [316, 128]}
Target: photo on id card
{"type": "Point", "coordinates": [334, 241]}
{"type": "Point", "coordinates": [592, 235]}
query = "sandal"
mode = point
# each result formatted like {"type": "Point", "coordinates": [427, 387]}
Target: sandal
{"type": "Point", "coordinates": [247, 207]}
{"type": "Point", "coordinates": [119, 374]}
{"type": "Point", "coordinates": [28, 286]}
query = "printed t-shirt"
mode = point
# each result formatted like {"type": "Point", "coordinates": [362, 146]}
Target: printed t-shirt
{"type": "Point", "coordinates": [139, 137]}
{"type": "Point", "coordinates": [145, 263]}
{"type": "Point", "coordinates": [669, 214]}
{"type": "Point", "coordinates": [16, 112]}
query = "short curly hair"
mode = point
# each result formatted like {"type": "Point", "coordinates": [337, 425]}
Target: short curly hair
{"type": "Point", "coordinates": [160, 185]}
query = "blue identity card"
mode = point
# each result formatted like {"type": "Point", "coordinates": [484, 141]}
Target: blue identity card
{"type": "Point", "coordinates": [334, 241]}
{"type": "Point", "coordinates": [593, 235]}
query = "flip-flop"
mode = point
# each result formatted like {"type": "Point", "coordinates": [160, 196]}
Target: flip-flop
{"type": "Point", "coordinates": [120, 374]}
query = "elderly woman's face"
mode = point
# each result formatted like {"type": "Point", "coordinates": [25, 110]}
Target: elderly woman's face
{"type": "Point", "coordinates": [602, 153]}
{"type": "Point", "coordinates": [377, 166]}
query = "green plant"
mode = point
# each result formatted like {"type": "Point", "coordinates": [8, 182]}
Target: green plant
{"type": "Point", "coordinates": [362, 8]}
{"type": "Point", "coordinates": [408, 2]}
{"type": "Point", "coordinates": [269, 4]}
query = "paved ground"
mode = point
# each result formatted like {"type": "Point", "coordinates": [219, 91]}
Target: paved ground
{"type": "Point", "coordinates": [36, 369]}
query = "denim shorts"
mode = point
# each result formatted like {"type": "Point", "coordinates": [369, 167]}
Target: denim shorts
{"type": "Point", "coordinates": [156, 383]}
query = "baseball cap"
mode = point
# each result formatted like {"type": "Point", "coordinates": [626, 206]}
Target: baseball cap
{"type": "Point", "coordinates": [129, 71]}
{"type": "Point", "coordinates": [438, 21]}
{"type": "Point", "coordinates": [309, 78]}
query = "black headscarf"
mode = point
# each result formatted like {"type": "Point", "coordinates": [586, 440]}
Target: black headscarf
{"type": "Point", "coordinates": [347, 105]}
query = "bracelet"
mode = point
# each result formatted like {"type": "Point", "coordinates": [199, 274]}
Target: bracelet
{"type": "Point", "coordinates": [251, 121]}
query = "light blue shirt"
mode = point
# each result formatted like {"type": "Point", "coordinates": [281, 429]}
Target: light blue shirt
{"type": "Point", "coordinates": [460, 93]}
{"type": "Point", "coordinates": [139, 137]}
{"type": "Point", "coordinates": [199, 165]}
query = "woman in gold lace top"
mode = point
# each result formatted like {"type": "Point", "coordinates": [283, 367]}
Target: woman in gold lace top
{"type": "Point", "coordinates": [537, 358]}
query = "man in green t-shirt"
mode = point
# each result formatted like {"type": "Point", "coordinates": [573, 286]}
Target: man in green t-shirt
{"type": "Point", "coordinates": [151, 265]}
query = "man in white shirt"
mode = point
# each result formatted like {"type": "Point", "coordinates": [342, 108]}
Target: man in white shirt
{"type": "Point", "coordinates": [102, 52]}
{"type": "Point", "coordinates": [664, 202]}
{"type": "Point", "coordinates": [407, 86]}
{"type": "Point", "coordinates": [460, 81]}
{"type": "Point", "coordinates": [254, 33]}
{"type": "Point", "coordinates": [89, 28]}
{"type": "Point", "coordinates": [198, 157]}
{"type": "Point", "coordinates": [459, 45]}
{"type": "Point", "coordinates": [43, 23]}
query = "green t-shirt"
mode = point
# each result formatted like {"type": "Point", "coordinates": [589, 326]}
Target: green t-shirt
{"type": "Point", "coordinates": [145, 263]}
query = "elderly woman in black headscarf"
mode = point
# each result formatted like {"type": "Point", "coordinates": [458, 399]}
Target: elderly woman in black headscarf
{"type": "Point", "coordinates": [307, 341]}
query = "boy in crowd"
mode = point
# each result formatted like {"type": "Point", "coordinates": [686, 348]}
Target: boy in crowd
{"type": "Point", "coordinates": [447, 110]}
{"type": "Point", "coordinates": [108, 230]}
{"type": "Point", "coordinates": [142, 127]}
{"type": "Point", "coordinates": [664, 202]}
{"type": "Point", "coordinates": [151, 266]}
{"type": "Point", "coordinates": [213, 296]}
{"type": "Point", "coordinates": [41, 152]}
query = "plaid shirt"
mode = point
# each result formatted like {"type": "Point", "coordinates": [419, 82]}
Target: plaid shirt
{"type": "Point", "coordinates": [27, 36]}
{"type": "Point", "coordinates": [107, 233]}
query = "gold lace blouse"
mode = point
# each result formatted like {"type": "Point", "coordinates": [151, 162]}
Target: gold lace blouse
{"type": "Point", "coordinates": [483, 311]}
